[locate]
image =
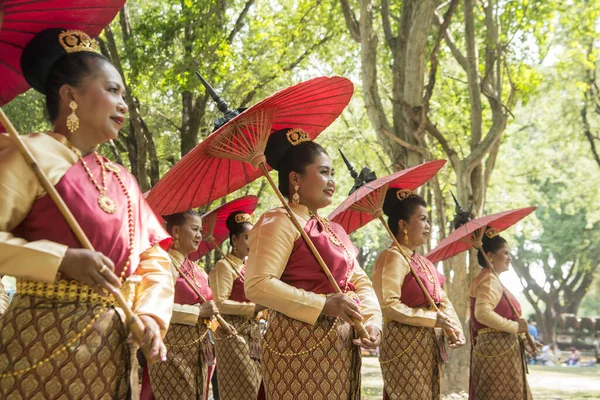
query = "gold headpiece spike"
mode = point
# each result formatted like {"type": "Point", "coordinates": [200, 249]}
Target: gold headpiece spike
{"type": "Point", "coordinates": [491, 233]}
{"type": "Point", "coordinates": [74, 41]}
{"type": "Point", "coordinates": [296, 136]}
{"type": "Point", "coordinates": [403, 194]}
{"type": "Point", "coordinates": [243, 218]}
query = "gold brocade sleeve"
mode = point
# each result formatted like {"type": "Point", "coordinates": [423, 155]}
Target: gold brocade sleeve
{"type": "Point", "coordinates": [221, 281]}
{"type": "Point", "coordinates": [155, 294]}
{"type": "Point", "coordinates": [271, 242]}
{"type": "Point", "coordinates": [447, 308]}
{"type": "Point", "coordinates": [487, 290]}
{"type": "Point", "coordinates": [20, 188]}
{"type": "Point", "coordinates": [369, 306]}
{"type": "Point", "coordinates": [388, 276]}
{"type": "Point", "coordinates": [3, 298]}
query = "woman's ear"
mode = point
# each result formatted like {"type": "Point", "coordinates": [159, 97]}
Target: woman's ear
{"type": "Point", "coordinates": [67, 93]}
{"type": "Point", "coordinates": [294, 178]}
{"type": "Point", "coordinates": [175, 230]}
{"type": "Point", "coordinates": [401, 225]}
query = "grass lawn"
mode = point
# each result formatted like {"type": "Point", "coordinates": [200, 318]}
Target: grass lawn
{"type": "Point", "coordinates": [547, 383]}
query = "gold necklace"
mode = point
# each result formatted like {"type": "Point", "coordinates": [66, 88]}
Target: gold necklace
{"type": "Point", "coordinates": [425, 268]}
{"type": "Point", "coordinates": [190, 272]}
{"type": "Point", "coordinates": [104, 201]}
{"type": "Point", "coordinates": [336, 242]}
{"type": "Point", "coordinates": [130, 220]}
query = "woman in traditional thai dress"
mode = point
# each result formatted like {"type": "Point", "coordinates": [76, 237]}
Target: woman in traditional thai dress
{"type": "Point", "coordinates": [239, 373]}
{"type": "Point", "coordinates": [308, 349]}
{"type": "Point", "coordinates": [184, 375]}
{"type": "Point", "coordinates": [409, 342]}
{"type": "Point", "coordinates": [498, 368]}
{"type": "Point", "coordinates": [62, 335]}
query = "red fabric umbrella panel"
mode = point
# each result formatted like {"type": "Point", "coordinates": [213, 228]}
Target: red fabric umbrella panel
{"type": "Point", "coordinates": [365, 203]}
{"type": "Point", "coordinates": [221, 163]}
{"type": "Point", "coordinates": [469, 234]}
{"type": "Point", "coordinates": [24, 18]}
{"type": "Point", "coordinates": [214, 230]}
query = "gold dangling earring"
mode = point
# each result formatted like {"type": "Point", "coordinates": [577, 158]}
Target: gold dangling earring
{"type": "Point", "coordinates": [405, 236]}
{"type": "Point", "coordinates": [296, 196]}
{"type": "Point", "coordinates": [233, 248]}
{"type": "Point", "coordinates": [73, 119]}
{"type": "Point", "coordinates": [176, 242]}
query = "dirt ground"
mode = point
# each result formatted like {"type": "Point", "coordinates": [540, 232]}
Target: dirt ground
{"type": "Point", "coordinates": [547, 383]}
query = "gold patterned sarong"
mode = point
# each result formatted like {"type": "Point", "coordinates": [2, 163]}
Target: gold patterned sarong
{"type": "Point", "coordinates": [410, 362]}
{"type": "Point", "coordinates": [69, 350]}
{"type": "Point", "coordinates": [185, 373]}
{"type": "Point", "coordinates": [498, 369]}
{"type": "Point", "coordinates": [305, 362]}
{"type": "Point", "coordinates": [239, 374]}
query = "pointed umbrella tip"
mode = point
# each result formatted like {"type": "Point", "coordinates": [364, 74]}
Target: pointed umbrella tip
{"type": "Point", "coordinates": [353, 172]}
{"type": "Point", "coordinates": [221, 104]}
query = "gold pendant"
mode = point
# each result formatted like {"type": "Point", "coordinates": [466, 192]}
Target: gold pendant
{"type": "Point", "coordinates": [106, 204]}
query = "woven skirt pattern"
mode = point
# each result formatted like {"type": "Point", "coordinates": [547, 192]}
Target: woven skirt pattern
{"type": "Point", "coordinates": [307, 362]}
{"type": "Point", "coordinates": [410, 362]}
{"type": "Point", "coordinates": [62, 350]}
{"type": "Point", "coordinates": [498, 369]}
{"type": "Point", "coordinates": [185, 373]}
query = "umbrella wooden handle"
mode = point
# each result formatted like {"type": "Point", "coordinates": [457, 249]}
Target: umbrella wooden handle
{"type": "Point", "coordinates": [358, 326]}
{"type": "Point", "coordinates": [211, 239]}
{"type": "Point", "coordinates": [513, 308]}
{"type": "Point", "coordinates": [133, 321]}
{"type": "Point", "coordinates": [450, 333]}
{"type": "Point", "coordinates": [218, 316]}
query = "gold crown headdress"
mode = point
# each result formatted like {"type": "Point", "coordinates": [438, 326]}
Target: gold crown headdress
{"type": "Point", "coordinates": [403, 194]}
{"type": "Point", "coordinates": [296, 136]}
{"type": "Point", "coordinates": [74, 41]}
{"type": "Point", "coordinates": [243, 218]}
{"type": "Point", "coordinates": [491, 233]}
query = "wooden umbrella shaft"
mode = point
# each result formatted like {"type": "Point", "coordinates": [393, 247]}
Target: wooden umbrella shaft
{"type": "Point", "coordinates": [358, 326]}
{"type": "Point", "coordinates": [513, 308]}
{"type": "Point", "coordinates": [211, 239]}
{"type": "Point", "coordinates": [451, 335]}
{"type": "Point", "coordinates": [133, 321]}
{"type": "Point", "coordinates": [218, 316]}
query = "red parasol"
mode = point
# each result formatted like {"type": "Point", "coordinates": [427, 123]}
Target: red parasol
{"type": "Point", "coordinates": [463, 238]}
{"type": "Point", "coordinates": [214, 231]}
{"type": "Point", "coordinates": [205, 174]}
{"type": "Point", "coordinates": [365, 203]}
{"type": "Point", "coordinates": [24, 18]}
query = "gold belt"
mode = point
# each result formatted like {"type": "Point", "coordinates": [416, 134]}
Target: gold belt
{"type": "Point", "coordinates": [488, 330]}
{"type": "Point", "coordinates": [71, 291]}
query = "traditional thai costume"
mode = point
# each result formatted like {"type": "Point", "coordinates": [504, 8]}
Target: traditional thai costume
{"type": "Point", "coordinates": [498, 367]}
{"type": "Point", "coordinates": [185, 373]}
{"type": "Point", "coordinates": [239, 355]}
{"type": "Point", "coordinates": [409, 341]}
{"type": "Point", "coordinates": [58, 337]}
{"type": "Point", "coordinates": [307, 355]}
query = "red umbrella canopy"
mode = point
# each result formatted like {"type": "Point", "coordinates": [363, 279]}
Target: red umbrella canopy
{"type": "Point", "coordinates": [219, 165]}
{"type": "Point", "coordinates": [214, 230]}
{"type": "Point", "coordinates": [24, 18]}
{"type": "Point", "coordinates": [363, 205]}
{"type": "Point", "coordinates": [461, 239]}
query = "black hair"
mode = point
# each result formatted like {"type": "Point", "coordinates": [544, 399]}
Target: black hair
{"type": "Point", "coordinates": [178, 219]}
{"type": "Point", "coordinates": [296, 159]}
{"type": "Point", "coordinates": [403, 210]}
{"type": "Point", "coordinates": [236, 228]}
{"type": "Point", "coordinates": [489, 245]}
{"type": "Point", "coordinates": [71, 70]}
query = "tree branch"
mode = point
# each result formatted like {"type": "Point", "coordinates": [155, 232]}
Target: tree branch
{"type": "Point", "coordinates": [239, 22]}
{"type": "Point", "coordinates": [437, 135]}
{"type": "Point", "coordinates": [421, 150]}
{"type": "Point", "coordinates": [451, 43]}
{"type": "Point", "coordinates": [387, 28]}
{"type": "Point", "coordinates": [286, 68]}
{"type": "Point", "coordinates": [473, 75]}
{"type": "Point", "coordinates": [351, 21]}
